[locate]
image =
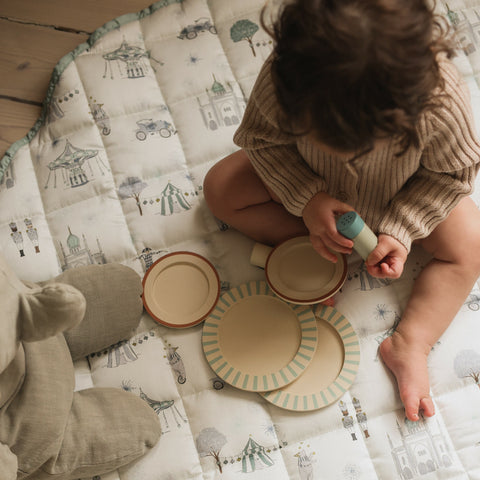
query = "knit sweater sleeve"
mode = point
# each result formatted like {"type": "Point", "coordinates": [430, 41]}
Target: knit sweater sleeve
{"type": "Point", "coordinates": [272, 152]}
{"type": "Point", "coordinates": [448, 166]}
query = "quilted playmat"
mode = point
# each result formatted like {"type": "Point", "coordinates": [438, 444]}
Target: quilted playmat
{"type": "Point", "coordinates": [113, 172]}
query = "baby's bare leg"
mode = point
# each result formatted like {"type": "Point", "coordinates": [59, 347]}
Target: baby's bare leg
{"type": "Point", "coordinates": [437, 295]}
{"type": "Point", "coordinates": [237, 196]}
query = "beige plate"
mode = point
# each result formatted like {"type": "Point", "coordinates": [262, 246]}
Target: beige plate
{"type": "Point", "coordinates": [255, 341]}
{"type": "Point", "coordinates": [180, 289]}
{"type": "Point", "coordinates": [332, 370]}
{"type": "Point", "coordinates": [298, 274]}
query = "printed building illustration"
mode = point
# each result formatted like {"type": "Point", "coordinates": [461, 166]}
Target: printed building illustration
{"type": "Point", "coordinates": [223, 107]}
{"type": "Point", "coordinates": [420, 451]}
{"type": "Point", "coordinates": [76, 255]}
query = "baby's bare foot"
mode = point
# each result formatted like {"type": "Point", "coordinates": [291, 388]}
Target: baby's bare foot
{"type": "Point", "coordinates": [408, 362]}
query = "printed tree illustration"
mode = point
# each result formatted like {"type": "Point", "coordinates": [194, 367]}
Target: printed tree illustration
{"type": "Point", "coordinates": [131, 188]}
{"type": "Point", "coordinates": [209, 443]}
{"type": "Point", "coordinates": [467, 364]}
{"type": "Point", "coordinates": [244, 30]}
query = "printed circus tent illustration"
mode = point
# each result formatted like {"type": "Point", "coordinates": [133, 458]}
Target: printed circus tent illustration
{"type": "Point", "coordinates": [173, 200]}
{"type": "Point", "coordinates": [254, 457]}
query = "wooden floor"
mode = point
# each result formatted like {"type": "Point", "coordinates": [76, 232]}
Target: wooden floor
{"type": "Point", "coordinates": [34, 36]}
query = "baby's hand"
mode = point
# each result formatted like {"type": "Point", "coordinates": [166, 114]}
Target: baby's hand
{"type": "Point", "coordinates": [319, 216]}
{"type": "Point", "coordinates": [387, 259]}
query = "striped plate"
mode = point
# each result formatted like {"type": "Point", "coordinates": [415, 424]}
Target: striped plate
{"type": "Point", "coordinates": [332, 370]}
{"type": "Point", "coordinates": [255, 341]}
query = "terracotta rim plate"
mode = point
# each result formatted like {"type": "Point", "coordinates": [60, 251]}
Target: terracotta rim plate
{"type": "Point", "coordinates": [331, 372]}
{"type": "Point", "coordinates": [180, 289]}
{"type": "Point", "coordinates": [298, 274]}
{"type": "Point", "coordinates": [255, 341]}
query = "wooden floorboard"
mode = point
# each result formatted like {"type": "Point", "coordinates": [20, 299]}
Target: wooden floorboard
{"type": "Point", "coordinates": [34, 36]}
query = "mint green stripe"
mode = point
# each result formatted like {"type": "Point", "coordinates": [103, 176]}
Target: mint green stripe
{"type": "Point", "coordinates": [235, 379]}
{"type": "Point", "coordinates": [306, 357]}
{"type": "Point", "coordinates": [255, 383]}
{"type": "Point", "coordinates": [352, 362]}
{"type": "Point", "coordinates": [330, 391]}
{"type": "Point", "coordinates": [345, 327]}
{"type": "Point", "coordinates": [211, 342]}
{"type": "Point", "coordinates": [292, 371]}
{"type": "Point", "coordinates": [277, 396]}
{"type": "Point", "coordinates": [355, 352]}
{"type": "Point", "coordinates": [295, 402]}
{"type": "Point", "coordinates": [212, 325]}
{"type": "Point", "coordinates": [230, 370]}
{"type": "Point", "coordinates": [310, 339]}
{"type": "Point", "coordinates": [352, 344]}
{"type": "Point", "coordinates": [332, 314]}
{"type": "Point", "coordinates": [339, 320]}
{"type": "Point", "coordinates": [310, 329]}
{"type": "Point", "coordinates": [265, 382]}
{"type": "Point", "coordinates": [212, 351]}
{"type": "Point", "coordinates": [353, 372]}
{"type": "Point", "coordinates": [339, 387]}
{"type": "Point", "coordinates": [215, 360]}
{"type": "Point", "coordinates": [285, 378]}
{"type": "Point", "coordinates": [307, 347]}
{"type": "Point", "coordinates": [305, 402]}
{"type": "Point", "coordinates": [221, 367]}
{"type": "Point", "coordinates": [298, 364]}
{"type": "Point", "coordinates": [249, 289]}
{"type": "Point", "coordinates": [232, 296]}
{"type": "Point", "coordinates": [345, 379]}
{"type": "Point", "coordinates": [210, 334]}
{"type": "Point", "coordinates": [275, 381]}
{"type": "Point", "coordinates": [245, 381]}
{"type": "Point", "coordinates": [285, 400]}
{"type": "Point", "coordinates": [348, 335]}
{"type": "Point", "coordinates": [315, 403]}
{"type": "Point", "coordinates": [324, 397]}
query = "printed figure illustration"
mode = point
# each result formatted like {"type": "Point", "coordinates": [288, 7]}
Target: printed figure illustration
{"type": "Point", "coordinates": [361, 417]}
{"type": "Point", "coordinates": [148, 127]}
{"type": "Point", "coordinates": [467, 365]}
{"type": "Point", "coordinates": [100, 116]}
{"type": "Point", "coordinates": [305, 465]}
{"type": "Point", "coordinates": [203, 24]}
{"type": "Point", "coordinates": [148, 257]}
{"type": "Point", "coordinates": [351, 472]}
{"type": "Point", "coordinates": [78, 255]}
{"type": "Point", "coordinates": [176, 362]}
{"type": "Point", "coordinates": [223, 107]}
{"type": "Point", "coordinates": [165, 406]}
{"type": "Point", "coordinates": [32, 234]}
{"type": "Point", "coordinates": [131, 61]}
{"type": "Point", "coordinates": [244, 30]}
{"type": "Point", "coordinates": [17, 238]}
{"type": "Point", "coordinates": [421, 451]}
{"type": "Point", "coordinates": [255, 457]}
{"type": "Point", "coordinates": [71, 163]}
{"type": "Point", "coordinates": [209, 444]}
{"type": "Point", "coordinates": [349, 422]}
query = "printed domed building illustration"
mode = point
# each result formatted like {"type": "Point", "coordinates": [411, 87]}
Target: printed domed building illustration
{"type": "Point", "coordinates": [420, 452]}
{"type": "Point", "coordinates": [76, 255]}
{"type": "Point", "coordinates": [223, 108]}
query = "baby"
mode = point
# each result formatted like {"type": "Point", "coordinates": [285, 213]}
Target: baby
{"type": "Point", "coordinates": [359, 108]}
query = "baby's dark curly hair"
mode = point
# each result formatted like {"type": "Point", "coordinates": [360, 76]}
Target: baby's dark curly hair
{"type": "Point", "coordinates": [350, 71]}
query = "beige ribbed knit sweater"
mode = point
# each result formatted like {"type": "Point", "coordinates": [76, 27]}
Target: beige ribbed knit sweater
{"type": "Point", "coordinates": [405, 197]}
